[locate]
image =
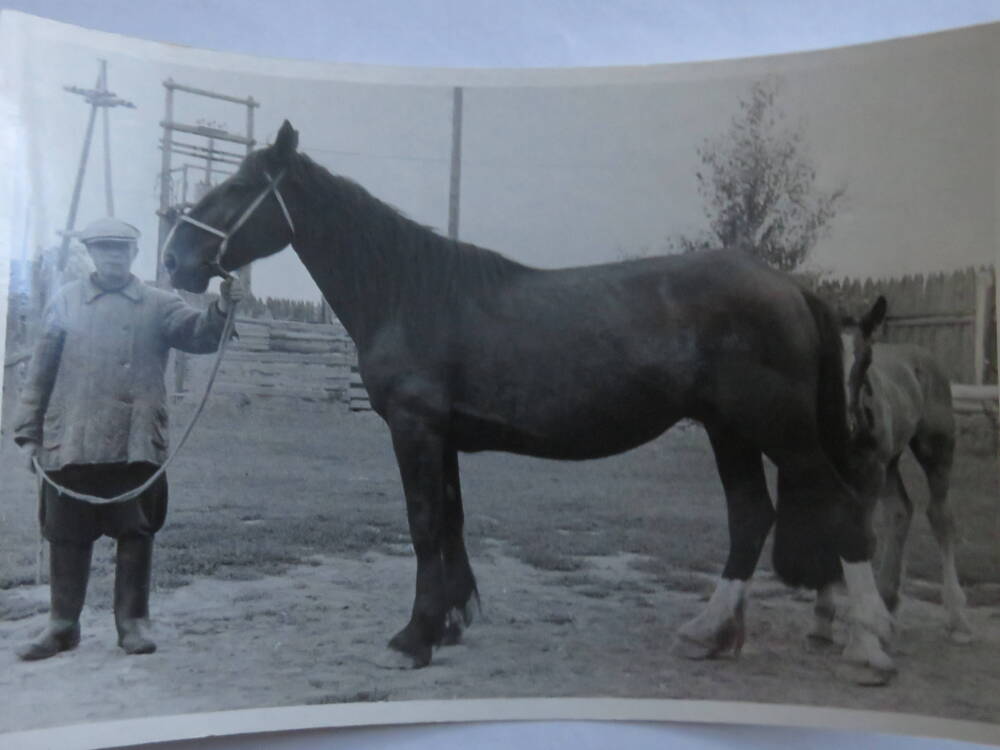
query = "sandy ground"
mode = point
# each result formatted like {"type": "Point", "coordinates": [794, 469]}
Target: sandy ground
{"type": "Point", "coordinates": [315, 634]}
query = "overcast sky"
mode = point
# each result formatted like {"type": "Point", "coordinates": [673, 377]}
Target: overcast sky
{"type": "Point", "coordinates": [562, 168]}
{"type": "Point", "coordinates": [516, 33]}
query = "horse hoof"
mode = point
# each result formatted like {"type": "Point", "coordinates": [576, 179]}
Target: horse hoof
{"type": "Point", "coordinates": [960, 636]}
{"type": "Point", "coordinates": [865, 675]}
{"type": "Point", "coordinates": [686, 648]}
{"type": "Point", "coordinates": [403, 655]}
{"type": "Point", "coordinates": [816, 641]}
{"type": "Point", "coordinates": [395, 660]}
{"type": "Point", "coordinates": [452, 634]}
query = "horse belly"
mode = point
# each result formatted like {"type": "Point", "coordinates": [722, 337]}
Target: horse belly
{"type": "Point", "coordinates": [561, 426]}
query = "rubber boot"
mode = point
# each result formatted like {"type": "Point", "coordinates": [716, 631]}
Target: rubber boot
{"type": "Point", "coordinates": [132, 572]}
{"type": "Point", "coordinates": [69, 570]}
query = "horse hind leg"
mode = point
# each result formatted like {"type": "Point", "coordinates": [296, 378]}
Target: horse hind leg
{"type": "Point", "coordinates": [460, 583]}
{"type": "Point", "coordinates": [721, 627]}
{"type": "Point", "coordinates": [897, 512]}
{"type": "Point", "coordinates": [935, 455]}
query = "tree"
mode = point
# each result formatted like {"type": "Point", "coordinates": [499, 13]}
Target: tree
{"type": "Point", "coordinates": [760, 188]}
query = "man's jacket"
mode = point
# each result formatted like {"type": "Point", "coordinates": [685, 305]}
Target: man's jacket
{"type": "Point", "coordinates": [95, 390]}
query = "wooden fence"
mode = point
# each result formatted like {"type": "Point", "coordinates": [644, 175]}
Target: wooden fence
{"type": "Point", "coordinates": [277, 358]}
{"type": "Point", "coordinates": [953, 315]}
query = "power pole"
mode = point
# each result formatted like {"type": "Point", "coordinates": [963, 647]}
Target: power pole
{"type": "Point", "coordinates": [456, 163]}
{"type": "Point", "coordinates": [99, 98]}
{"type": "Point", "coordinates": [208, 158]}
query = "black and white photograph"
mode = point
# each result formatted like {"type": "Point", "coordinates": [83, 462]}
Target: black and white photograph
{"type": "Point", "coordinates": [329, 384]}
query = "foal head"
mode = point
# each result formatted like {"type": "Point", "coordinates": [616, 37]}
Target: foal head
{"type": "Point", "coordinates": [863, 408]}
{"type": "Point", "coordinates": [238, 221]}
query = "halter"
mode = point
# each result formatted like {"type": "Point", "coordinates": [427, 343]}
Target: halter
{"type": "Point", "coordinates": [216, 265]}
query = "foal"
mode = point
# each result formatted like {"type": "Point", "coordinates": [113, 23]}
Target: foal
{"type": "Point", "coordinates": [899, 397]}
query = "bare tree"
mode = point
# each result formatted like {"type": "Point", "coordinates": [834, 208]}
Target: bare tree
{"type": "Point", "coordinates": [760, 188]}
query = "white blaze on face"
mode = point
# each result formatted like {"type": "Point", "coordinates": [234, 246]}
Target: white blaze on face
{"type": "Point", "coordinates": [847, 341]}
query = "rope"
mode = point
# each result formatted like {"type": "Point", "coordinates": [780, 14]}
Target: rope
{"type": "Point", "coordinates": [227, 330]}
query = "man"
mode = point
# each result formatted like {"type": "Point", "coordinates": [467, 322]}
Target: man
{"type": "Point", "coordinates": [93, 413]}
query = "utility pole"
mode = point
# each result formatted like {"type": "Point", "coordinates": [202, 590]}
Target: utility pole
{"type": "Point", "coordinates": [208, 155]}
{"type": "Point", "coordinates": [99, 98]}
{"type": "Point", "coordinates": [456, 163]}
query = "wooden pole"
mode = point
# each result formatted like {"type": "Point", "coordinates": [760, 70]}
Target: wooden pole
{"type": "Point", "coordinates": [246, 273]}
{"type": "Point", "coordinates": [108, 195]}
{"type": "Point", "coordinates": [983, 280]}
{"type": "Point", "coordinates": [456, 163]}
{"type": "Point", "coordinates": [74, 203]}
{"type": "Point", "coordinates": [161, 280]}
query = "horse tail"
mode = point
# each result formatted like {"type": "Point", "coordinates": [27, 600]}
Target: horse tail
{"type": "Point", "coordinates": [831, 407]}
{"type": "Point", "coordinates": [809, 520]}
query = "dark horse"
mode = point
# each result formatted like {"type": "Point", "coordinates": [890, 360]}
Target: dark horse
{"type": "Point", "coordinates": [461, 349]}
{"type": "Point", "coordinates": [899, 398]}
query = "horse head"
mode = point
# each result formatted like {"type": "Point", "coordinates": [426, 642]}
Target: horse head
{"type": "Point", "coordinates": [238, 221]}
{"type": "Point", "coordinates": [863, 408]}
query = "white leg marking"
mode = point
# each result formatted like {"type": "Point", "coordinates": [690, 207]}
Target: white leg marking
{"type": "Point", "coordinates": [719, 627]}
{"type": "Point", "coordinates": [870, 623]}
{"type": "Point", "coordinates": [953, 599]}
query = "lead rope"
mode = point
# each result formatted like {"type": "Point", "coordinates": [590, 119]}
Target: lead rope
{"type": "Point", "coordinates": [227, 330]}
{"type": "Point", "coordinates": [272, 188]}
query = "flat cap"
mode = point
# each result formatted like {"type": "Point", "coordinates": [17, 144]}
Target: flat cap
{"type": "Point", "coordinates": [114, 230]}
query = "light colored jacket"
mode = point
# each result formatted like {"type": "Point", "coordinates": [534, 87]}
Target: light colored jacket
{"type": "Point", "coordinates": [95, 391]}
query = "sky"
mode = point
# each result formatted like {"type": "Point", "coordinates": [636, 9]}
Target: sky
{"type": "Point", "coordinates": [560, 167]}
{"type": "Point", "coordinates": [516, 33]}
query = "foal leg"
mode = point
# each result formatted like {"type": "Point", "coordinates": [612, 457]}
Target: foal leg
{"type": "Point", "coordinates": [420, 454]}
{"type": "Point", "coordinates": [935, 454]}
{"type": "Point", "coordinates": [897, 511]}
{"type": "Point", "coordinates": [721, 626]}
{"type": "Point", "coordinates": [459, 582]}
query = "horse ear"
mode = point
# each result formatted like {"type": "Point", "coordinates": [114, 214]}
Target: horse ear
{"type": "Point", "coordinates": [286, 143]}
{"type": "Point", "coordinates": [874, 317]}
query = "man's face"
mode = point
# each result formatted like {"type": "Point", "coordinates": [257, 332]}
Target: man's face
{"type": "Point", "coordinates": [113, 260]}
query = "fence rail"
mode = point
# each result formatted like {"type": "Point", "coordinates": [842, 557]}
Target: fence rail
{"type": "Point", "coordinates": [276, 358]}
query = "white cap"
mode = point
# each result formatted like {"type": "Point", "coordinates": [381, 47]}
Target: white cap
{"type": "Point", "coordinates": [111, 230]}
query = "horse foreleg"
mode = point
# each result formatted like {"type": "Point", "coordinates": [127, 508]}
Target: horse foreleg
{"type": "Point", "coordinates": [721, 626]}
{"type": "Point", "coordinates": [942, 521]}
{"type": "Point", "coordinates": [460, 583]}
{"type": "Point", "coordinates": [897, 512]}
{"type": "Point", "coordinates": [420, 454]}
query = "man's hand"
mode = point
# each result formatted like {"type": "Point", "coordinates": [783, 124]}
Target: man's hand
{"type": "Point", "coordinates": [29, 450]}
{"type": "Point", "coordinates": [231, 293]}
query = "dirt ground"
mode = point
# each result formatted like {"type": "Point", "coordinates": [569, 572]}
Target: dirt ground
{"type": "Point", "coordinates": [282, 583]}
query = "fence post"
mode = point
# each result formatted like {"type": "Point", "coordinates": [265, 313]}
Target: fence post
{"type": "Point", "coordinates": [984, 279]}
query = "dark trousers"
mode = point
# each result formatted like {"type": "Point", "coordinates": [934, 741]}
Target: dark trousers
{"type": "Point", "coordinates": [67, 520]}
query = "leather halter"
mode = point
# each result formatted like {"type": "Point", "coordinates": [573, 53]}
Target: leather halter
{"type": "Point", "coordinates": [272, 187]}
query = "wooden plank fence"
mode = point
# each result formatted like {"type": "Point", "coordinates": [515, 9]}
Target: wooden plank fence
{"type": "Point", "coordinates": [953, 315]}
{"type": "Point", "coordinates": [283, 359]}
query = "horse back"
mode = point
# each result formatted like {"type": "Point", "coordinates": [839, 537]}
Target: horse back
{"type": "Point", "coordinates": [914, 394]}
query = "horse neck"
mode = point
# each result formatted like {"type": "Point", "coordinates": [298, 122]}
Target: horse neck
{"type": "Point", "coordinates": [374, 265]}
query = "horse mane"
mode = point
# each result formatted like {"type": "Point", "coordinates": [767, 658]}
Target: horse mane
{"type": "Point", "coordinates": [405, 259]}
